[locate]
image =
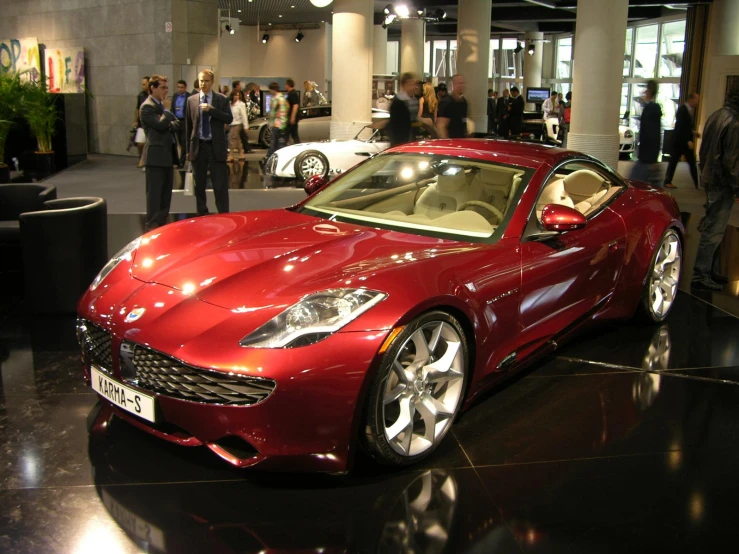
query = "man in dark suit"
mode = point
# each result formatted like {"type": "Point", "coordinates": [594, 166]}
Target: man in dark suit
{"type": "Point", "coordinates": [207, 118]}
{"type": "Point", "coordinates": [159, 125]}
{"type": "Point", "coordinates": [515, 112]}
{"type": "Point", "coordinates": [492, 98]}
{"type": "Point", "coordinates": [399, 126]}
{"type": "Point", "coordinates": [501, 114]}
{"type": "Point", "coordinates": [682, 141]}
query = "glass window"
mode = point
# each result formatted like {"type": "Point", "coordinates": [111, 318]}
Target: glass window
{"type": "Point", "coordinates": [671, 49]}
{"type": "Point", "coordinates": [393, 59]}
{"type": "Point", "coordinates": [508, 58]}
{"type": "Point", "coordinates": [452, 57]}
{"type": "Point", "coordinates": [646, 51]}
{"type": "Point", "coordinates": [627, 51]}
{"type": "Point", "coordinates": [564, 58]}
{"type": "Point", "coordinates": [492, 62]}
{"type": "Point", "coordinates": [625, 102]}
{"type": "Point", "coordinates": [668, 96]}
{"type": "Point", "coordinates": [440, 69]}
{"type": "Point", "coordinates": [427, 57]}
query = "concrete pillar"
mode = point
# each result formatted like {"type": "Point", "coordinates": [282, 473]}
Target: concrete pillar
{"type": "Point", "coordinates": [532, 64]}
{"type": "Point", "coordinates": [600, 35]}
{"type": "Point", "coordinates": [379, 50]}
{"type": "Point", "coordinates": [351, 56]}
{"type": "Point", "coordinates": [412, 36]}
{"type": "Point", "coordinates": [473, 53]}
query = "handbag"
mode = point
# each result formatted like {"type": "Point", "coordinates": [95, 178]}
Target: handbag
{"type": "Point", "coordinates": [189, 181]}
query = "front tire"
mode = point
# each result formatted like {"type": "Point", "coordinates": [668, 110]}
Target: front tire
{"type": "Point", "coordinates": [310, 163]}
{"type": "Point", "coordinates": [418, 390]}
{"type": "Point", "coordinates": [663, 278]}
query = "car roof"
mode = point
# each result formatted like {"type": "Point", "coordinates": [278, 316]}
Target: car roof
{"type": "Point", "coordinates": [505, 151]}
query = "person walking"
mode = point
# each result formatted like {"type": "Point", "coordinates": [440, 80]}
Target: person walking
{"type": "Point", "coordinates": [402, 112]}
{"type": "Point", "coordinates": [515, 112]}
{"type": "Point", "coordinates": [452, 112]}
{"type": "Point", "coordinates": [208, 113]}
{"type": "Point", "coordinates": [179, 104]}
{"type": "Point", "coordinates": [293, 102]}
{"type": "Point", "coordinates": [501, 114]}
{"type": "Point", "coordinates": [646, 168]}
{"type": "Point", "coordinates": [159, 125]}
{"type": "Point", "coordinates": [719, 162]}
{"type": "Point", "coordinates": [238, 111]}
{"type": "Point", "coordinates": [278, 118]}
{"type": "Point", "coordinates": [682, 142]}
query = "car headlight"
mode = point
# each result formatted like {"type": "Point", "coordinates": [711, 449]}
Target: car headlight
{"type": "Point", "coordinates": [628, 134]}
{"type": "Point", "coordinates": [314, 318]}
{"type": "Point", "coordinates": [125, 254]}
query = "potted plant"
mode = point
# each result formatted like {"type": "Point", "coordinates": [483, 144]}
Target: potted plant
{"type": "Point", "coordinates": [11, 95]}
{"type": "Point", "coordinates": [42, 115]}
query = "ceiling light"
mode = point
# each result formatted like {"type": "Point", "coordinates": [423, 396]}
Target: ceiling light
{"type": "Point", "coordinates": [388, 9]}
{"type": "Point", "coordinates": [402, 10]}
{"type": "Point", "coordinates": [439, 14]}
{"type": "Point", "coordinates": [531, 49]}
{"type": "Point", "coordinates": [420, 13]}
{"type": "Point", "coordinates": [265, 38]}
{"type": "Point", "coordinates": [320, 3]}
{"type": "Point", "coordinates": [299, 36]}
{"type": "Point", "coordinates": [229, 29]}
{"type": "Point", "coordinates": [518, 48]}
{"type": "Point", "coordinates": [279, 16]}
{"type": "Point", "coordinates": [238, 11]}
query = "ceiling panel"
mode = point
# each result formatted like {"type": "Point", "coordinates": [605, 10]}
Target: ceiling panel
{"type": "Point", "coordinates": [269, 11]}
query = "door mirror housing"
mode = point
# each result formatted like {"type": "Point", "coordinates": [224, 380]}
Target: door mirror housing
{"type": "Point", "coordinates": [556, 217]}
{"type": "Point", "coordinates": [314, 183]}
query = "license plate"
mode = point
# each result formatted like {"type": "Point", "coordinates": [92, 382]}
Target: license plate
{"type": "Point", "coordinates": [123, 396]}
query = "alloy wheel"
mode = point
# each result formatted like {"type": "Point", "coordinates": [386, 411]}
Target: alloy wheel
{"type": "Point", "coordinates": [423, 389]}
{"type": "Point", "coordinates": [665, 277]}
{"type": "Point", "coordinates": [312, 165]}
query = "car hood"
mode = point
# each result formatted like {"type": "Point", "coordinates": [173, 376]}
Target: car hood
{"type": "Point", "coordinates": [270, 259]}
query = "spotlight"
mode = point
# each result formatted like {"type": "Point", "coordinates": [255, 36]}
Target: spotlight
{"type": "Point", "coordinates": [531, 49]}
{"type": "Point", "coordinates": [318, 3]}
{"type": "Point", "coordinates": [439, 14]}
{"type": "Point", "coordinates": [420, 13]}
{"type": "Point", "coordinates": [388, 9]}
{"type": "Point", "coordinates": [265, 38]}
{"type": "Point", "coordinates": [402, 10]}
{"type": "Point", "coordinates": [388, 20]}
{"type": "Point", "coordinates": [299, 36]}
{"type": "Point", "coordinates": [518, 48]}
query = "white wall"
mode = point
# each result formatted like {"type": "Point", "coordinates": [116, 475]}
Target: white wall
{"type": "Point", "coordinates": [243, 55]}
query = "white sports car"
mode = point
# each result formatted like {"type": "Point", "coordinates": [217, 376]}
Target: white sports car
{"type": "Point", "coordinates": [314, 124]}
{"type": "Point", "coordinates": [626, 141]}
{"type": "Point", "coordinates": [300, 161]}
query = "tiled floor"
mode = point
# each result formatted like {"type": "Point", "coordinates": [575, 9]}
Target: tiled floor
{"type": "Point", "coordinates": [625, 440]}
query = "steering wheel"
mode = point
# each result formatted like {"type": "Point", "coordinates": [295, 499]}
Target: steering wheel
{"type": "Point", "coordinates": [480, 204]}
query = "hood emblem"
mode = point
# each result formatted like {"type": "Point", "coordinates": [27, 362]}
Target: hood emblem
{"type": "Point", "coordinates": [135, 315]}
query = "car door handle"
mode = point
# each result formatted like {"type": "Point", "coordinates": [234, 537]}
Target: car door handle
{"type": "Point", "coordinates": [613, 246]}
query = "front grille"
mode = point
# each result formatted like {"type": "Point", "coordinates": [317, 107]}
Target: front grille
{"type": "Point", "coordinates": [96, 344]}
{"type": "Point", "coordinates": [167, 376]}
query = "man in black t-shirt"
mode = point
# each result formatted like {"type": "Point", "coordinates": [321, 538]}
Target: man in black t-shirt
{"type": "Point", "coordinates": [293, 99]}
{"type": "Point", "coordinates": [451, 119]}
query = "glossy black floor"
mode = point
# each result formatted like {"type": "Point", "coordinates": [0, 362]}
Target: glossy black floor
{"type": "Point", "coordinates": [626, 440]}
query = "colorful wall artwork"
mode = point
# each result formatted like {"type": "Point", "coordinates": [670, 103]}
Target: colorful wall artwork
{"type": "Point", "coordinates": [21, 54]}
{"type": "Point", "coordinates": [65, 68]}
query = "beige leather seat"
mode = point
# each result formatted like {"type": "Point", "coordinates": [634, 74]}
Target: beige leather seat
{"type": "Point", "coordinates": [586, 188]}
{"type": "Point", "coordinates": [445, 196]}
{"type": "Point", "coordinates": [554, 193]}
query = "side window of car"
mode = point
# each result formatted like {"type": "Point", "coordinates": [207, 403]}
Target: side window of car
{"type": "Point", "coordinates": [581, 185]}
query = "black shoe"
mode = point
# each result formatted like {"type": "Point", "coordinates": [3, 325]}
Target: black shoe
{"type": "Point", "coordinates": [706, 284]}
{"type": "Point", "coordinates": [720, 279]}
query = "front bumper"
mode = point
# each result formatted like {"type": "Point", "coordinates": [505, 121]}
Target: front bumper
{"type": "Point", "coordinates": [308, 422]}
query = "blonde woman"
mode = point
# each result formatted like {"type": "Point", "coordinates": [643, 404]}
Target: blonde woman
{"type": "Point", "coordinates": [427, 106]}
{"type": "Point", "coordinates": [240, 122]}
{"type": "Point", "coordinates": [310, 98]}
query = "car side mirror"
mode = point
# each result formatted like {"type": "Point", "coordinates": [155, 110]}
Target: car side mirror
{"type": "Point", "coordinates": [555, 217]}
{"type": "Point", "coordinates": [313, 184]}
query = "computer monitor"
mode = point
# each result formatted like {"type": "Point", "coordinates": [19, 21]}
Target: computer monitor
{"type": "Point", "coordinates": [537, 95]}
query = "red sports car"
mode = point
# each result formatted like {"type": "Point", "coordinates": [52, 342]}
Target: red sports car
{"type": "Point", "coordinates": [374, 311]}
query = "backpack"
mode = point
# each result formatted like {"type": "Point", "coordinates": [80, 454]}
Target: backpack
{"type": "Point", "coordinates": [568, 111]}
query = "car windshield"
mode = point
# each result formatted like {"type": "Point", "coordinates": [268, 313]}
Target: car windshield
{"type": "Point", "coordinates": [425, 194]}
{"type": "Point", "coordinates": [370, 134]}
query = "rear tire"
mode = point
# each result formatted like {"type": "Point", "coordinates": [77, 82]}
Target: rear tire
{"type": "Point", "coordinates": [417, 391]}
{"type": "Point", "coordinates": [663, 279]}
{"type": "Point", "coordinates": [265, 136]}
